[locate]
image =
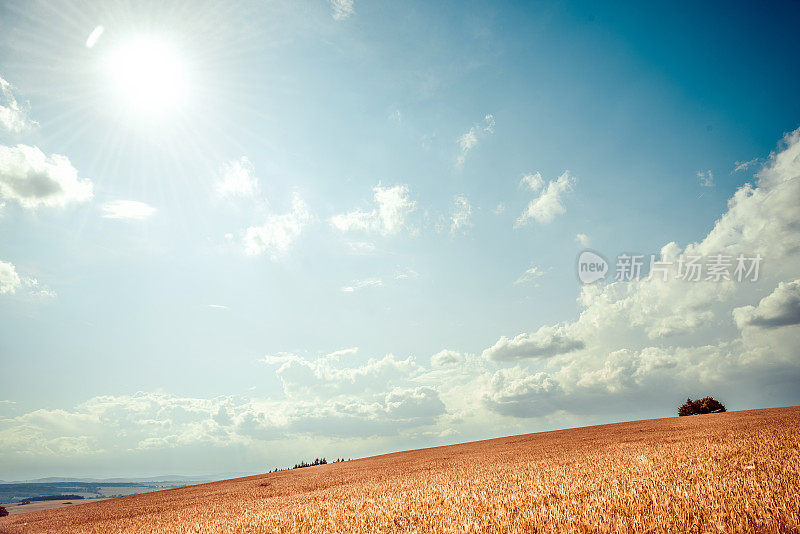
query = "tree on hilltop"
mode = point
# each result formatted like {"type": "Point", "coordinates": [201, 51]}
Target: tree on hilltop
{"type": "Point", "coordinates": [701, 406]}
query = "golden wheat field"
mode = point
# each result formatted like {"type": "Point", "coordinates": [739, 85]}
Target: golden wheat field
{"type": "Point", "coordinates": [733, 472]}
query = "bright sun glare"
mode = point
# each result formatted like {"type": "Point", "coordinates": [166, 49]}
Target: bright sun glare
{"type": "Point", "coordinates": [148, 75]}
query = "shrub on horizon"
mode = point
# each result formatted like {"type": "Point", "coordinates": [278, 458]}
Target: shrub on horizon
{"type": "Point", "coordinates": [701, 406]}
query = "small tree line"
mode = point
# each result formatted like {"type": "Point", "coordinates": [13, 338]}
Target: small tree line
{"type": "Point", "coordinates": [316, 461]}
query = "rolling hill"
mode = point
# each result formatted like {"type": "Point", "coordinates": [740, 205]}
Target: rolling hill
{"type": "Point", "coordinates": [731, 472]}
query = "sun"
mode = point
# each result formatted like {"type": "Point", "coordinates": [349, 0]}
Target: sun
{"type": "Point", "coordinates": [148, 75]}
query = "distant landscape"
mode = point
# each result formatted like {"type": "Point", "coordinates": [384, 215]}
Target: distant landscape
{"type": "Point", "coordinates": [13, 492]}
{"type": "Point", "coordinates": [22, 496]}
{"type": "Point", "coordinates": [19, 497]}
{"type": "Point", "coordinates": [718, 472]}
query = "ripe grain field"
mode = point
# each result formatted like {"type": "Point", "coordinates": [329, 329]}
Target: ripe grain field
{"type": "Point", "coordinates": [732, 472]}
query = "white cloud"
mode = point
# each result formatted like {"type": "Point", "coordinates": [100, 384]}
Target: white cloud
{"type": "Point", "coordinates": [13, 116]}
{"type": "Point", "coordinates": [534, 181]}
{"type": "Point", "coordinates": [11, 282]}
{"type": "Point", "coordinates": [529, 275]}
{"type": "Point", "coordinates": [500, 208]}
{"type": "Point", "coordinates": [108, 423]}
{"type": "Point", "coordinates": [472, 137]}
{"type": "Point", "coordinates": [277, 235]}
{"type": "Point", "coordinates": [32, 179]}
{"type": "Point", "coordinates": [420, 403]}
{"type": "Point", "coordinates": [127, 209]}
{"type": "Point", "coordinates": [544, 343]}
{"type": "Point", "coordinates": [779, 308]}
{"type": "Point", "coordinates": [342, 9]}
{"type": "Point", "coordinates": [706, 178]}
{"type": "Point", "coordinates": [743, 165]}
{"type": "Point", "coordinates": [237, 179]}
{"type": "Point", "coordinates": [517, 392]}
{"type": "Point", "coordinates": [582, 239]}
{"type": "Point", "coordinates": [405, 274]}
{"type": "Point", "coordinates": [9, 279]}
{"type": "Point", "coordinates": [361, 284]}
{"type": "Point", "coordinates": [399, 274]}
{"type": "Point", "coordinates": [544, 208]}
{"type": "Point", "coordinates": [323, 378]}
{"type": "Point", "coordinates": [388, 217]}
{"type": "Point", "coordinates": [460, 217]}
{"type": "Point", "coordinates": [446, 357]}
{"type": "Point", "coordinates": [35, 289]}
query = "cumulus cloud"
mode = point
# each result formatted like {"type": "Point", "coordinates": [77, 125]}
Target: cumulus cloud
{"type": "Point", "coordinates": [472, 137]}
{"type": "Point", "coordinates": [279, 232]}
{"type": "Point", "coordinates": [544, 343]}
{"type": "Point", "coordinates": [32, 180]}
{"type": "Point", "coordinates": [237, 179]}
{"type": "Point", "coordinates": [518, 393]}
{"type": "Point", "coordinates": [122, 423]}
{"type": "Point", "coordinates": [421, 404]}
{"type": "Point", "coordinates": [13, 116]}
{"type": "Point", "coordinates": [127, 209]}
{"type": "Point", "coordinates": [544, 208]}
{"type": "Point", "coordinates": [657, 307]}
{"type": "Point", "coordinates": [532, 181]}
{"type": "Point", "coordinates": [461, 214]}
{"type": "Point", "coordinates": [446, 357]}
{"type": "Point", "coordinates": [11, 282]}
{"type": "Point", "coordinates": [779, 308]}
{"type": "Point", "coordinates": [342, 9]}
{"type": "Point", "coordinates": [392, 206]}
{"type": "Point", "coordinates": [9, 279]}
{"type": "Point", "coordinates": [582, 240]}
{"type": "Point", "coordinates": [302, 377]}
{"type": "Point", "coordinates": [322, 399]}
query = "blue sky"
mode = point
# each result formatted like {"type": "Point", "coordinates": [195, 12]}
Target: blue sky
{"type": "Point", "coordinates": [252, 242]}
